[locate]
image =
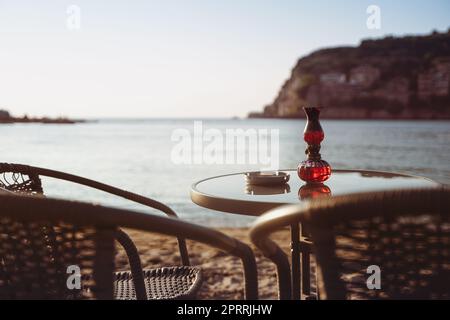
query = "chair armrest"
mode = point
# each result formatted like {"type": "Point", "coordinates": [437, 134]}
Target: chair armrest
{"type": "Point", "coordinates": [103, 187]}
{"type": "Point", "coordinates": [259, 234]}
{"type": "Point", "coordinates": [90, 183]}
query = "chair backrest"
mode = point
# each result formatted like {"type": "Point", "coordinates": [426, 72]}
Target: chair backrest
{"type": "Point", "coordinates": [41, 253]}
{"type": "Point", "coordinates": [19, 182]}
{"type": "Point", "coordinates": [24, 179]}
{"type": "Point", "coordinates": [386, 245]}
{"type": "Point", "coordinates": [33, 257]}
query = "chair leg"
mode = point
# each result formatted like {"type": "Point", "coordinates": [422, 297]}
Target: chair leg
{"type": "Point", "coordinates": [135, 263]}
{"type": "Point", "coordinates": [295, 254]}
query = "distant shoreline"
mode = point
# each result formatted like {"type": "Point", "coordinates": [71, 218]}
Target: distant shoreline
{"type": "Point", "coordinates": [357, 118]}
{"type": "Point", "coordinates": [97, 120]}
{"type": "Point", "coordinates": [347, 119]}
{"type": "Point", "coordinates": [40, 120]}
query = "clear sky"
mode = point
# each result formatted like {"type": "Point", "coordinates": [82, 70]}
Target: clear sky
{"type": "Point", "coordinates": [177, 58]}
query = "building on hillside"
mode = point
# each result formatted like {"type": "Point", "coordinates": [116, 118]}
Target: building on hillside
{"type": "Point", "coordinates": [435, 81]}
{"type": "Point", "coordinates": [333, 78]}
{"type": "Point", "coordinates": [364, 76]}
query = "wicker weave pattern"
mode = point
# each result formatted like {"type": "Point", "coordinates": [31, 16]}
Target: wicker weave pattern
{"type": "Point", "coordinates": [34, 260]}
{"type": "Point", "coordinates": [406, 233]}
{"type": "Point", "coordinates": [21, 183]}
{"type": "Point", "coordinates": [24, 179]}
{"type": "Point", "coordinates": [412, 252]}
{"type": "Point", "coordinates": [34, 256]}
{"type": "Point", "coordinates": [85, 235]}
{"type": "Point", "coordinates": [162, 283]}
{"type": "Point", "coordinates": [56, 247]}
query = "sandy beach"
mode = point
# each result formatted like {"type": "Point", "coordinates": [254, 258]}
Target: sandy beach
{"type": "Point", "coordinates": [222, 273]}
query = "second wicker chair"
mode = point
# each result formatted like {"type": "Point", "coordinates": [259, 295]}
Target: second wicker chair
{"type": "Point", "coordinates": [402, 235]}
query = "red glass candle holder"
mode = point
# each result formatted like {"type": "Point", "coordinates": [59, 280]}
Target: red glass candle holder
{"type": "Point", "coordinates": [313, 169]}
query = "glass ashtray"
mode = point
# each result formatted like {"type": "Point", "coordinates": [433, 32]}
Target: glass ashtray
{"type": "Point", "coordinates": [266, 178]}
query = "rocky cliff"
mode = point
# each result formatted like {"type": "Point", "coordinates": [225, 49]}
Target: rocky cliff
{"type": "Point", "coordinates": [399, 78]}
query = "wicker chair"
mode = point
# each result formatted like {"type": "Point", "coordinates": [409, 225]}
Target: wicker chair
{"type": "Point", "coordinates": [23, 179]}
{"type": "Point", "coordinates": [40, 238]}
{"type": "Point", "coordinates": [406, 233]}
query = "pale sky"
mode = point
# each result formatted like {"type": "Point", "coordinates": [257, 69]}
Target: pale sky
{"type": "Point", "coordinates": [177, 58]}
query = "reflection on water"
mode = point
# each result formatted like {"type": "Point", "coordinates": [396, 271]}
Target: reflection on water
{"type": "Point", "coordinates": [313, 191]}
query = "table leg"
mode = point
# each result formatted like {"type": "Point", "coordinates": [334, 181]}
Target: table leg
{"type": "Point", "coordinates": [306, 265]}
{"type": "Point", "coordinates": [306, 250]}
{"type": "Point", "coordinates": [295, 255]}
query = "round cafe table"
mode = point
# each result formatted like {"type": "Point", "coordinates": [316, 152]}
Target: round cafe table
{"type": "Point", "coordinates": [230, 193]}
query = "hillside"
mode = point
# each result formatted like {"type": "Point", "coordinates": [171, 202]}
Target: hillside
{"type": "Point", "coordinates": [390, 78]}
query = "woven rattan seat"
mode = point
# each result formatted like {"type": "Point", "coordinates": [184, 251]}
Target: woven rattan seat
{"type": "Point", "coordinates": [404, 233]}
{"type": "Point", "coordinates": [162, 283]}
{"type": "Point", "coordinates": [47, 246]}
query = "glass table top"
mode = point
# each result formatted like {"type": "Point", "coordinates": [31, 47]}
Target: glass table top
{"type": "Point", "coordinates": [230, 193]}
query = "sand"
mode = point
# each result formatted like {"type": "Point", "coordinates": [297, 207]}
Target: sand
{"type": "Point", "coordinates": [222, 273]}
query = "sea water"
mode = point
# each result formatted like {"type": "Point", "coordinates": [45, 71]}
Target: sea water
{"type": "Point", "coordinates": [135, 154]}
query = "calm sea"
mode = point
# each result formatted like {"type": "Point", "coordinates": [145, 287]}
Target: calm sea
{"type": "Point", "coordinates": [136, 155]}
